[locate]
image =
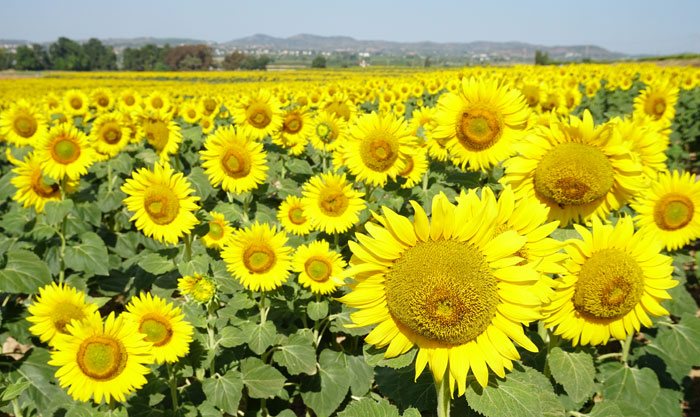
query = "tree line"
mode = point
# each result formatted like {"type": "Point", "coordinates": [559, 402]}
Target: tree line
{"type": "Point", "coordinates": [68, 55]}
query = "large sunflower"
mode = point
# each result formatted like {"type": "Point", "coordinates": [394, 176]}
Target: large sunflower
{"type": "Point", "coordinates": [377, 149]}
{"type": "Point", "coordinates": [75, 103]}
{"type": "Point", "coordinates": [447, 287]}
{"type": "Point", "coordinates": [163, 326]}
{"type": "Point", "coordinates": [330, 203]}
{"type": "Point", "coordinates": [670, 209]}
{"type": "Point", "coordinates": [320, 268]}
{"type": "Point", "coordinates": [615, 279]}
{"type": "Point", "coordinates": [33, 187]}
{"type": "Point", "coordinates": [22, 124]}
{"type": "Point", "coordinates": [482, 121]}
{"type": "Point", "coordinates": [258, 115]}
{"type": "Point", "coordinates": [65, 153]}
{"type": "Point", "coordinates": [161, 202]}
{"type": "Point", "coordinates": [54, 308]}
{"type": "Point", "coordinates": [101, 360]}
{"type": "Point", "coordinates": [234, 161]}
{"type": "Point", "coordinates": [577, 170]}
{"type": "Point", "coordinates": [258, 257]}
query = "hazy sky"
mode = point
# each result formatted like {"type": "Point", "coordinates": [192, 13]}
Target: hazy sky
{"type": "Point", "coordinates": [629, 26]}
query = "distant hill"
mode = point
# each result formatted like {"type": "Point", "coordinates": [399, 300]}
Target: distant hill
{"type": "Point", "coordinates": [515, 50]}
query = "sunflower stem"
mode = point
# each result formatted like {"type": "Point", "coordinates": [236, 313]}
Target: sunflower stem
{"type": "Point", "coordinates": [626, 348]}
{"type": "Point", "coordinates": [213, 346]}
{"type": "Point", "coordinates": [172, 375]}
{"type": "Point", "coordinates": [16, 408]}
{"type": "Point", "coordinates": [444, 397]}
{"type": "Point", "coordinates": [109, 175]}
{"type": "Point", "coordinates": [62, 234]}
{"type": "Point", "coordinates": [262, 308]}
{"type": "Point", "coordinates": [188, 247]}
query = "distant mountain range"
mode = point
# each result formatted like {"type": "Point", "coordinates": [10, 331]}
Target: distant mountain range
{"type": "Point", "coordinates": [260, 43]}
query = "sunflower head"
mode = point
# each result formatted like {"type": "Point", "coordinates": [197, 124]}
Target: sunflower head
{"type": "Point", "coordinates": [54, 308]}
{"type": "Point", "coordinates": [320, 268]}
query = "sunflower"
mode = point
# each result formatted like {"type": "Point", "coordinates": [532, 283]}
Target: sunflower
{"type": "Point", "coordinates": [330, 203]}
{"type": "Point", "coordinates": [190, 112]}
{"type": "Point", "coordinates": [161, 132]}
{"type": "Point", "coordinates": [340, 106]}
{"type": "Point", "coordinates": [22, 124]}
{"type": "Point", "coordinates": [657, 103]}
{"type": "Point", "coordinates": [207, 124]}
{"type": "Point", "coordinates": [65, 152]}
{"type": "Point", "coordinates": [446, 287]}
{"type": "Point", "coordinates": [296, 129]}
{"type": "Point", "coordinates": [415, 167]}
{"type": "Point", "coordinates": [528, 217]}
{"type": "Point", "coordinates": [161, 202]}
{"type": "Point", "coordinates": [320, 268]}
{"type": "Point", "coordinates": [129, 100]}
{"type": "Point", "coordinates": [101, 360]}
{"type": "Point", "coordinates": [258, 257]}
{"type": "Point", "coordinates": [209, 106]}
{"type": "Point", "coordinates": [234, 160]}
{"type": "Point", "coordinates": [163, 326]}
{"type": "Point", "coordinates": [54, 308]}
{"type": "Point", "coordinates": [647, 145]}
{"type": "Point", "coordinates": [75, 103]}
{"type": "Point", "coordinates": [258, 115]}
{"type": "Point", "coordinates": [670, 209]}
{"type": "Point", "coordinates": [220, 231]}
{"type": "Point", "coordinates": [33, 187]}
{"type": "Point", "coordinates": [615, 280]}
{"type": "Point", "coordinates": [482, 121]}
{"type": "Point", "coordinates": [579, 171]}
{"type": "Point", "coordinates": [202, 289]}
{"type": "Point", "coordinates": [377, 149]}
{"type": "Point", "coordinates": [102, 100]}
{"type": "Point", "coordinates": [158, 101]}
{"type": "Point", "coordinates": [329, 132]}
{"type": "Point", "coordinates": [292, 217]}
{"type": "Point", "coordinates": [109, 134]}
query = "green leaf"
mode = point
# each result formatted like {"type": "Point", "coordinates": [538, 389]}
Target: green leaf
{"type": "Point", "coordinates": [41, 393]}
{"type": "Point", "coordinates": [574, 371]}
{"type": "Point", "coordinates": [636, 392]}
{"type": "Point", "coordinates": [606, 409]}
{"type": "Point", "coordinates": [299, 166]}
{"type": "Point", "coordinates": [678, 346]}
{"type": "Point", "coordinates": [399, 385]}
{"type": "Point", "coordinates": [24, 273]}
{"type": "Point", "coordinates": [298, 354]}
{"type": "Point", "coordinates": [317, 310]}
{"type": "Point", "coordinates": [524, 393]}
{"type": "Point", "coordinates": [335, 382]}
{"type": "Point", "coordinates": [681, 301]}
{"type": "Point", "coordinates": [56, 211]}
{"type": "Point", "coordinates": [232, 336]}
{"type": "Point", "coordinates": [224, 391]}
{"type": "Point", "coordinates": [14, 390]}
{"type": "Point", "coordinates": [88, 256]}
{"type": "Point", "coordinates": [155, 264]}
{"type": "Point", "coordinates": [200, 182]}
{"type": "Point", "coordinates": [367, 407]}
{"type": "Point", "coordinates": [262, 380]}
{"type": "Point", "coordinates": [262, 337]}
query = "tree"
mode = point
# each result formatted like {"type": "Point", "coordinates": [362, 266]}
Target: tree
{"type": "Point", "coordinates": [255, 63]}
{"type": "Point", "coordinates": [67, 54]}
{"type": "Point", "coordinates": [233, 60]}
{"type": "Point", "coordinates": [319, 61]}
{"type": "Point", "coordinates": [99, 57]}
{"type": "Point", "coordinates": [190, 57]}
{"type": "Point", "coordinates": [6, 58]}
{"type": "Point", "coordinates": [542, 58]}
{"type": "Point", "coordinates": [32, 58]}
{"type": "Point", "coordinates": [147, 58]}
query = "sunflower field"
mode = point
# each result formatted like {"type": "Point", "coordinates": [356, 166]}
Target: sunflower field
{"type": "Point", "coordinates": [384, 242]}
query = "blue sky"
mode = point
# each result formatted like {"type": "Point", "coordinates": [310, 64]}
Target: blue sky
{"type": "Point", "coordinates": [634, 27]}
